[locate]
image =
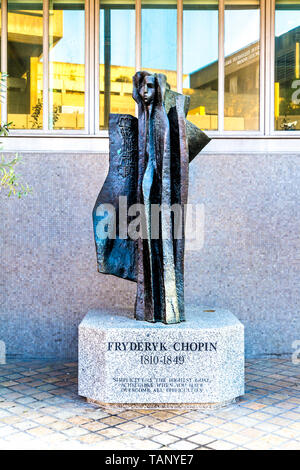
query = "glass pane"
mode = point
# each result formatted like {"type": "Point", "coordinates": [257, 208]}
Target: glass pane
{"type": "Point", "coordinates": [287, 66]}
{"type": "Point", "coordinates": [66, 64]}
{"type": "Point", "coordinates": [159, 38]}
{"type": "Point", "coordinates": [242, 45]}
{"type": "Point", "coordinates": [117, 58]}
{"type": "Point", "coordinates": [200, 61]}
{"type": "Point", "coordinates": [25, 64]}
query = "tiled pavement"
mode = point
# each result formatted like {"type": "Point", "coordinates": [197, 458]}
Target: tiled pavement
{"type": "Point", "coordinates": [40, 408]}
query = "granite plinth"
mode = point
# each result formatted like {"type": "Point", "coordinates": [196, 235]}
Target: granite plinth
{"type": "Point", "coordinates": [125, 362]}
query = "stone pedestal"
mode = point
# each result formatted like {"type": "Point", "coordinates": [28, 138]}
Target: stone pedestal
{"type": "Point", "coordinates": [199, 362]}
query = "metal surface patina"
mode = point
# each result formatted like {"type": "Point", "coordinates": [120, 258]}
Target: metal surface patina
{"type": "Point", "coordinates": [148, 174]}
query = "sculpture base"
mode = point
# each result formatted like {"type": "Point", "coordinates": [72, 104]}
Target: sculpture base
{"type": "Point", "coordinates": [160, 406]}
{"type": "Point", "coordinates": [127, 363]}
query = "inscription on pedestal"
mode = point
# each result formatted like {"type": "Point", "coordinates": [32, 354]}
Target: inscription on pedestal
{"type": "Point", "coordinates": [159, 385]}
{"type": "Point", "coordinates": [124, 361]}
{"type": "Point", "coordinates": [175, 355]}
{"type": "Point", "coordinates": [173, 361]}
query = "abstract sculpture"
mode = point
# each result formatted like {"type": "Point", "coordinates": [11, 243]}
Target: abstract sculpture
{"type": "Point", "coordinates": [148, 175]}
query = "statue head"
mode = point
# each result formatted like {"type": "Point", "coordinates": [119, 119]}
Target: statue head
{"type": "Point", "coordinates": [149, 88]}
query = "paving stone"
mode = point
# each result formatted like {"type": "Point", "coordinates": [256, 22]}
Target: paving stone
{"type": "Point", "coordinates": [183, 445]}
{"type": "Point", "coordinates": [201, 439]}
{"type": "Point", "coordinates": [267, 417]}
{"type": "Point", "coordinates": [222, 445]}
{"type": "Point", "coordinates": [165, 438]}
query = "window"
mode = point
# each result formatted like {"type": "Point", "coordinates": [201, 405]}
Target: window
{"type": "Point", "coordinates": [24, 64]}
{"type": "Point", "coordinates": [159, 38]}
{"type": "Point", "coordinates": [66, 93]}
{"type": "Point", "coordinates": [117, 59]}
{"type": "Point", "coordinates": [68, 64]}
{"type": "Point", "coordinates": [242, 52]}
{"type": "Point", "coordinates": [287, 66]}
{"type": "Point", "coordinates": [200, 63]}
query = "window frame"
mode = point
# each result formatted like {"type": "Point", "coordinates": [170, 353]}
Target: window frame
{"type": "Point", "coordinates": [45, 131]}
{"type": "Point", "coordinates": [270, 66]}
{"type": "Point", "coordinates": [92, 102]}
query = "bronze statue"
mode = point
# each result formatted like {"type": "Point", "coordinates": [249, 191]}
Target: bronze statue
{"type": "Point", "coordinates": [148, 170]}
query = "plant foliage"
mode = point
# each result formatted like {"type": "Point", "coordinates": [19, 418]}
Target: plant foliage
{"type": "Point", "coordinates": [9, 180]}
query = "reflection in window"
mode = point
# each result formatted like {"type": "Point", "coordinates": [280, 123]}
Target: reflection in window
{"type": "Point", "coordinates": [66, 64]}
{"type": "Point", "coordinates": [287, 66]}
{"type": "Point", "coordinates": [159, 38]}
{"type": "Point", "coordinates": [242, 36]}
{"type": "Point", "coordinates": [117, 59]}
{"type": "Point", "coordinates": [200, 63]}
{"type": "Point", "coordinates": [24, 64]}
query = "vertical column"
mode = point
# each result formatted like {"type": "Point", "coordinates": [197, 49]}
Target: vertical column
{"type": "Point", "coordinates": [221, 89]}
{"type": "Point", "coordinates": [138, 40]}
{"type": "Point", "coordinates": [46, 66]}
{"type": "Point", "coordinates": [262, 76]}
{"type": "Point", "coordinates": [107, 59]}
{"type": "Point", "coordinates": [4, 60]}
{"type": "Point", "coordinates": [269, 66]}
{"type": "Point", "coordinates": [138, 35]}
{"type": "Point", "coordinates": [179, 45]}
{"type": "Point", "coordinates": [95, 57]}
{"type": "Point", "coordinates": [88, 69]}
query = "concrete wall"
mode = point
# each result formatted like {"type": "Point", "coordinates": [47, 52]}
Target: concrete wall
{"type": "Point", "coordinates": [249, 262]}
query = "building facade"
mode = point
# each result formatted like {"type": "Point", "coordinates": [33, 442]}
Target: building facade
{"type": "Point", "coordinates": [65, 66]}
{"type": "Point", "coordinates": [70, 63]}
